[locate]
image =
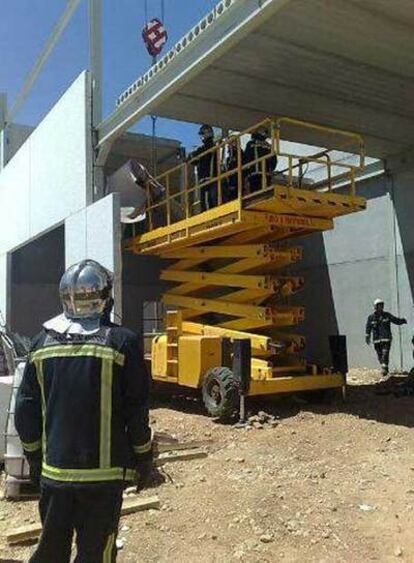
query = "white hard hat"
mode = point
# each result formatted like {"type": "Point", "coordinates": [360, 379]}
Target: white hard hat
{"type": "Point", "coordinates": [378, 301]}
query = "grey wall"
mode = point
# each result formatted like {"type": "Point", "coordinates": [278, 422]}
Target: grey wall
{"type": "Point", "coordinates": [320, 317]}
{"type": "Point", "coordinates": [367, 255]}
{"type": "Point", "coordinates": [140, 283]}
{"type": "Point", "coordinates": [36, 269]}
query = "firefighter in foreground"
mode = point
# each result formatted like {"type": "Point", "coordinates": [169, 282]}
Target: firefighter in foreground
{"type": "Point", "coordinates": [82, 416]}
{"type": "Point", "coordinates": [379, 325]}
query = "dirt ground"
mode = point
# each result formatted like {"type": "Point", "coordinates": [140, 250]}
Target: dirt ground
{"type": "Point", "coordinates": [327, 483]}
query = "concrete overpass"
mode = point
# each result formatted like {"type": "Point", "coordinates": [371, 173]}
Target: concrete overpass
{"type": "Point", "coordinates": [347, 64]}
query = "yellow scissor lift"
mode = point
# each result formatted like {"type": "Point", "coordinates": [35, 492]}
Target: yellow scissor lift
{"type": "Point", "coordinates": [229, 269]}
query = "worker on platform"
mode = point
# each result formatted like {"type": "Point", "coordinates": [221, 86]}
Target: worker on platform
{"type": "Point", "coordinates": [82, 416]}
{"type": "Point", "coordinates": [206, 164]}
{"type": "Point", "coordinates": [379, 326]}
{"type": "Point", "coordinates": [231, 183]}
{"type": "Point", "coordinates": [256, 150]}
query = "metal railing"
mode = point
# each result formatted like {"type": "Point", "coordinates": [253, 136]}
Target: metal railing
{"type": "Point", "coordinates": [183, 201]}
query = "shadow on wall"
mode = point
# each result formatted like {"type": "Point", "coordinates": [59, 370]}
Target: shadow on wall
{"type": "Point", "coordinates": [400, 187]}
{"type": "Point", "coordinates": [140, 284]}
{"type": "Point", "coordinates": [36, 269]}
{"type": "Point", "coordinates": [320, 319]}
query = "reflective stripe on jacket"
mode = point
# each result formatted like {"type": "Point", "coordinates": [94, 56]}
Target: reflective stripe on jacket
{"type": "Point", "coordinates": [379, 325]}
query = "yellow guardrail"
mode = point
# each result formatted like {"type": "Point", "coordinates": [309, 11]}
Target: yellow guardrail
{"type": "Point", "coordinates": [180, 199]}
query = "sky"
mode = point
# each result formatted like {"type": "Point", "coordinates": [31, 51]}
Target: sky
{"type": "Point", "coordinates": [25, 26]}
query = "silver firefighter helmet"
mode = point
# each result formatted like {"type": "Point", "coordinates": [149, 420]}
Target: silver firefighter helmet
{"type": "Point", "coordinates": [85, 290]}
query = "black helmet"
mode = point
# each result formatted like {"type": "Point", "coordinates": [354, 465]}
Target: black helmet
{"type": "Point", "coordinates": [261, 132]}
{"type": "Point", "coordinates": [85, 290]}
{"type": "Point", "coordinates": [206, 131]}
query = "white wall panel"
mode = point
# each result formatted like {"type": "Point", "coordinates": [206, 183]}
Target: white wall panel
{"type": "Point", "coordinates": [58, 155]}
{"type": "Point", "coordinates": [15, 200]}
{"type": "Point", "coordinates": [101, 230]}
{"type": "Point", "coordinates": [49, 177]}
{"type": "Point", "coordinates": [95, 232]}
{"type": "Point", "coordinates": [104, 240]}
{"type": "Point", "coordinates": [75, 238]}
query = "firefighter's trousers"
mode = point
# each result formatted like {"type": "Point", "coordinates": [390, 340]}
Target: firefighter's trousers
{"type": "Point", "coordinates": [92, 512]}
{"type": "Point", "coordinates": [383, 352]}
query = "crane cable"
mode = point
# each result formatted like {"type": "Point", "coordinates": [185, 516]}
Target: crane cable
{"type": "Point", "coordinates": [154, 156]}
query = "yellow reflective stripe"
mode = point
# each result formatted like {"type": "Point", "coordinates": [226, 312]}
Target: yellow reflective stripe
{"type": "Point", "coordinates": [144, 448]}
{"type": "Point", "coordinates": [32, 446]}
{"type": "Point", "coordinates": [107, 556]}
{"type": "Point", "coordinates": [85, 475]}
{"type": "Point", "coordinates": [40, 380]}
{"type": "Point", "coordinates": [106, 414]}
{"type": "Point", "coordinates": [79, 350]}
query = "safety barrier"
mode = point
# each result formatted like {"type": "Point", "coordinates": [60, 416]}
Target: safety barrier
{"type": "Point", "coordinates": [339, 160]}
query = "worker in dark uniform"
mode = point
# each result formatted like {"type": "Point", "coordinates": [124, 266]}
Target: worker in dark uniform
{"type": "Point", "coordinates": [231, 183]}
{"type": "Point", "coordinates": [82, 416]}
{"type": "Point", "coordinates": [259, 147]}
{"type": "Point", "coordinates": [206, 165]}
{"type": "Point", "coordinates": [379, 325]}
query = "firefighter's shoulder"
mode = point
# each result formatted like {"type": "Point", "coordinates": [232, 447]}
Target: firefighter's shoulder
{"type": "Point", "coordinates": [121, 335]}
{"type": "Point", "coordinates": [38, 340]}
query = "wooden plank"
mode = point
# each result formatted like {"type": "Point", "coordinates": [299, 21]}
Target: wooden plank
{"type": "Point", "coordinates": [23, 534]}
{"type": "Point", "coordinates": [162, 459]}
{"type": "Point", "coordinates": [175, 446]}
{"type": "Point", "coordinates": [129, 506]}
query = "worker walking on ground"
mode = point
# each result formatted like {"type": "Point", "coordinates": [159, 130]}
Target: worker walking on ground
{"type": "Point", "coordinates": [257, 148]}
{"type": "Point", "coordinates": [379, 325]}
{"type": "Point", "coordinates": [82, 416]}
{"type": "Point", "coordinates": [206, 165]}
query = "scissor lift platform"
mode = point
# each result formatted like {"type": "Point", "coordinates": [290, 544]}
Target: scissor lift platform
{"type": "Point", "coordinates": [278, 213]}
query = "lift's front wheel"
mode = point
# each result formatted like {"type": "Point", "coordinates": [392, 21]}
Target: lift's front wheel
{"type": "Point", "coordinates": [220, 392]}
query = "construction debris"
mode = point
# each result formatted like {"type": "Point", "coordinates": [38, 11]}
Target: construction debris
{"type": "Point", "coordinates": [260, 420]}
{"type": "Point", "coordinates": [161, 447]}
{"type": "Point", "coordinates": [186, 456]}
{"type": "Point", "coordinates": [24, 534]}
{"type": "Point", "coordinates": [129, 506]}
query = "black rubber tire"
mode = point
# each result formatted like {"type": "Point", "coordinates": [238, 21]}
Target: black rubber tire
{"type": "Point", "coordinates": [220, 392]}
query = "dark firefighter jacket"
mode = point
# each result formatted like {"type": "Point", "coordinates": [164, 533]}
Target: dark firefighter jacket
{"type": "Point", "coordinates": [380, 326]}
{"type": "Point", "coordinates": [206, 163]}
{"type": "Point", "coordinates": [258, 148]}
{"type": "Point", "coordinates": [83, 406]}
